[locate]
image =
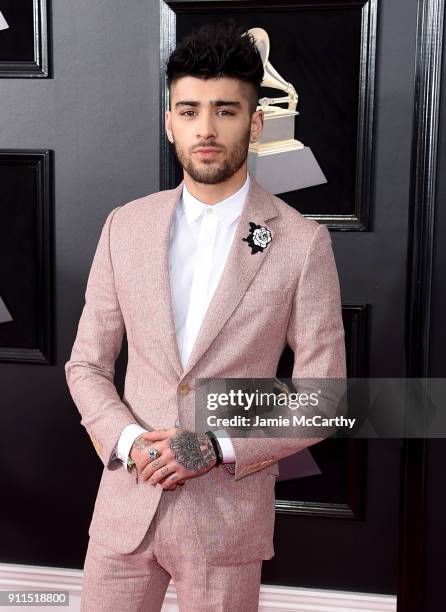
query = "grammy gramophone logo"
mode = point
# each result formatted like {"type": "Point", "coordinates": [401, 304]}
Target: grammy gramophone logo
{"type": "Point", "coordinates": [278, 161]}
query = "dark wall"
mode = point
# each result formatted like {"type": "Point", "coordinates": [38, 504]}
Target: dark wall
{"type": "Point", "coordinates": [99, 113]}
{"type": "Point", "coordinates": [435, 492]}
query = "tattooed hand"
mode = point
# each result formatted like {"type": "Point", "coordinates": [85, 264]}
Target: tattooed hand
{"type": "Point", "coordinates": [183, 455]}
{"type": "Point", "coordinates": [139, 454]}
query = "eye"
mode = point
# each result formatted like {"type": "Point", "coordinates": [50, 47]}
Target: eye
{"type": "Point", "coordinates": [186, 113]}
{"type": "Point", "coordinates": [225, 112]}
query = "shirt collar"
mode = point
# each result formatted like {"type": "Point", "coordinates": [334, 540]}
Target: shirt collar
{"type": "Point", "coordinates": [227, 210]}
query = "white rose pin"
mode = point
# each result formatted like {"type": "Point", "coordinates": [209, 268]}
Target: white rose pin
{"type": "Point", "coordinates": [259, 238]}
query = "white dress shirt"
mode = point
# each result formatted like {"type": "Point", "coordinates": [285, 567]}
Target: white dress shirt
{"type": "Point", "coordinates": [200, 239]}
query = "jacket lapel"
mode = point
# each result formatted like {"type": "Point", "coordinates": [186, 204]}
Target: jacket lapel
{"type": "Point", "coordinates": [240, 269]}
{"type": "Point", "coordinates": [164, 318]}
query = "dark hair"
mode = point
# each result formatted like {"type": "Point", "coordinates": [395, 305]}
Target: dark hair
{"type": "Point", "coordinates": [216, 50]}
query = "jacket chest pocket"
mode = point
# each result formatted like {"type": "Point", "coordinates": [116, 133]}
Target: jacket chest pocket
{"type": "Point", "coordinates": [271, 297]}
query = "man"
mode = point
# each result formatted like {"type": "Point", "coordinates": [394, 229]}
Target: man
{"type": "Point", "coordinates": [209, 280]}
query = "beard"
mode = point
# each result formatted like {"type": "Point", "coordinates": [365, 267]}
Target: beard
{"type": "Point", "coordinates": [211, 172]}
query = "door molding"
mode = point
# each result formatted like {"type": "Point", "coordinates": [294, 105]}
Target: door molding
{"type": "Point", "coordinates": [429, 42]}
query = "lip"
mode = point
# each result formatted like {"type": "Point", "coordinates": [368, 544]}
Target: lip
{"type": "Point", "coordinates": [207, 151]}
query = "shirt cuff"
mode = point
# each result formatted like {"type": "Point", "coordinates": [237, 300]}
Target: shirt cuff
{"type": "Point", "coordinates": [126, 439]}
{"type": "Point", "coordinates": [226, 446]}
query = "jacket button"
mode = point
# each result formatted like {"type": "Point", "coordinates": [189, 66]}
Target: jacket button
{"type": "Point", "coordinates": [183, 389]}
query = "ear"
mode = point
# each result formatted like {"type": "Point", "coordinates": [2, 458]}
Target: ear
{"type": "Point", "coordinates": [168, 125]}
{"type": "Point", "coordinates": [256, 126]}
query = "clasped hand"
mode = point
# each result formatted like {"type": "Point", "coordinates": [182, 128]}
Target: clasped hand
{"type": "Point", "coordinates": [183, 455]}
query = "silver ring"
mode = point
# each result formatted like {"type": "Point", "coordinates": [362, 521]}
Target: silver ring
{"type": "Point", "coordinates": [153, 453]}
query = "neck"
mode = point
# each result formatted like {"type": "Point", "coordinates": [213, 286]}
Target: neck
{"type": "Point", "coordinates": [212, 194]}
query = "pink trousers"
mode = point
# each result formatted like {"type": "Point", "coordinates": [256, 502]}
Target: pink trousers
{"type": "Point", "coordinates": [171, 549]}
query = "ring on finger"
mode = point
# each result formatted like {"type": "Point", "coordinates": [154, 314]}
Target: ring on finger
{"type": "Point", "coordinates": [153, 453]}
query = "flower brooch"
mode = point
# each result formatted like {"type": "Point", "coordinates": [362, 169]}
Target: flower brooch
{"type": "Point", "coordinates": [259, 238]}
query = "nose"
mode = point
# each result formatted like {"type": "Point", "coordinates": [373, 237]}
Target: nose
{"type": "Point", "coordinates": [205, 127]}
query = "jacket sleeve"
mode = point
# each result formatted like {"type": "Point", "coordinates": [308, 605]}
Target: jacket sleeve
{"type": "Point", "coordinates": [91, 368]}
{"type": "Point", "coordinates": [316, 335]}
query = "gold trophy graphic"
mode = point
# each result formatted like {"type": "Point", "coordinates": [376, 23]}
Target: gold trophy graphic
{"type": "Point", "coordinates": [278, 161]}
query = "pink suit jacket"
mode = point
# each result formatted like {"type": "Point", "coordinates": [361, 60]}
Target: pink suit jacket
{"type": "Point", "coordinates": [288, 293]}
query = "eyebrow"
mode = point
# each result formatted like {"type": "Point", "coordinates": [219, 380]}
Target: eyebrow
{"type": "Point", "coordinates": [195, 103]}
